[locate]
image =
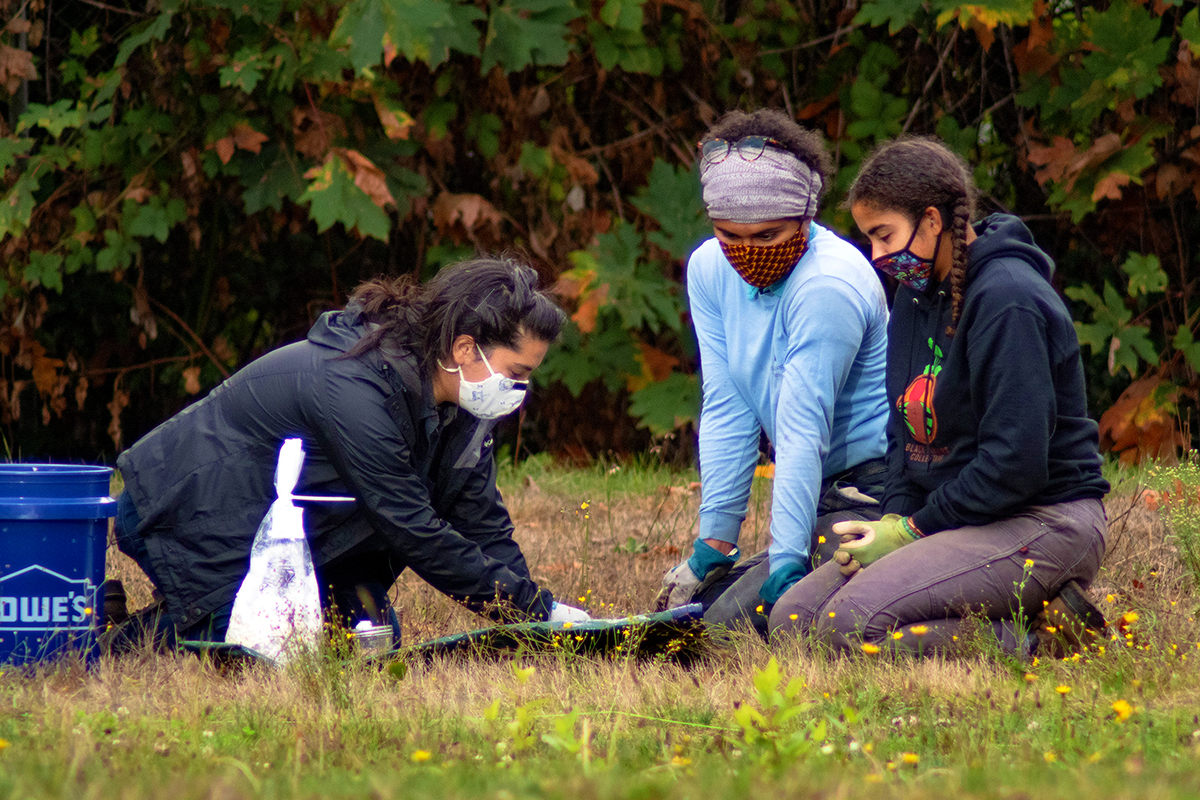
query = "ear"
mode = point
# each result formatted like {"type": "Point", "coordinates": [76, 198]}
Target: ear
{"type": "Point", "coordinates": [463, 350]}
{"type": "Point", "coordinates": [934, 218]}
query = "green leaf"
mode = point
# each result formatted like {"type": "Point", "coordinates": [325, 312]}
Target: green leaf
{"type": "Point", "coordinates": [361, 27]}
{"type": "Point", "coordinates": [525, 32]}
{"type": "Point", "coordinates": [1184, 343]}
{"type": "Point", "coordinates": [459, 34]}
{"type": "Point", "coordinates": [1189, 30]}
{"type": "Point", "coordinates": [45, 269]}
{"type": "Point", "coordinates": [10, 148]}
{"type": "Point", "coordinates": [420, 30]}
{"type": "Point", "coordinates": [668, 404]}
{"type": "Point", "coordinates": [1126, 49]}
{"type": "Point", "coordinates": [1145, 274]}
{"type": "Point", "coordinates": [156, 30]}
{"type": "Point", "coordinates": [270, 178]}
{"type": "Point", "coordinates": [153, 217]}
{"type": "Point", "coordinates": [1132, 341]}
{"type": "Point", "coordinates": [16, 207]}
{"type": "Point", "coordinates": [55, 118]}
{"type": "Point", "coordinates": [674, 199]}
{"type": "Point", "coordinates": [335, 198]}
{"type": "Point", "coordinates": [893, 13]}
{"type": "Point", "coordinates": [484, 130]}
{"type": "Point", "coordinates": [246, 70]}
{"type": "Point", "coordinates": [608, 355]}
{"type": "Point", "coordinates": [118, 254]}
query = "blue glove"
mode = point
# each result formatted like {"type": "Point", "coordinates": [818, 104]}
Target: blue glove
{"type": "Point", "coordinates": [781, 580]}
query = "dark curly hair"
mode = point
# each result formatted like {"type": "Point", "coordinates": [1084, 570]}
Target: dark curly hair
{"type": "Point", "coordinates": [912, 174]}
{"type": "Point", "coordinates": [808, 146]}
{"type": "Point", "coordinates": [496, 301]}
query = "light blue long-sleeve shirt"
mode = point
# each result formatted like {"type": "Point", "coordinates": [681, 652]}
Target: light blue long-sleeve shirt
{"type": "Point", "coordinates": [804, 361]}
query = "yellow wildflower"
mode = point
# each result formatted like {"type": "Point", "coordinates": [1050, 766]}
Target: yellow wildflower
{"type": "Point", "coordinates": [1123, 710]}
{"type": "Point", "coordinates": [1062, 689]}
{"type": "Point", "coordinates": [920, 630]}
{"type": "Point", "coordinates": [421, 755]}
{"type": "Point", "coordinates": [870, 649]}
{"type": "Point", "coordinates": [910, 758]}
{"type": "Point", "coordinates": [1049, 756]}
{"type": "Point", "coordinates": [898, 635]}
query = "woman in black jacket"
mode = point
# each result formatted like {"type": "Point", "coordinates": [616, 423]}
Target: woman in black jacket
{"type": "Point", "coordinates": [395, 398]}
{"type": "Point", "coordinates": [993, 494]}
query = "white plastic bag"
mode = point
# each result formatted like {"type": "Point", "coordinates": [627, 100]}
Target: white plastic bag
{"type": "Point", "coordinates": [277, 610]}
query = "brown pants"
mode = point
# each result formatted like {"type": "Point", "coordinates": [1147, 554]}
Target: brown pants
{"type": "Point", "coordinates": [995, 571]}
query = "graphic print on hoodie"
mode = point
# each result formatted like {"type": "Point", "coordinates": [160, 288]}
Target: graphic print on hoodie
{"type": "Point", "coordinates": [916, 404]}
{"type": "Point", "coordinates": [992, 418]}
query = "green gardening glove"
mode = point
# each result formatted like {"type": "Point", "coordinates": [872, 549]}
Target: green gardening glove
{"type": "Point", "coordinates": [864, 543]}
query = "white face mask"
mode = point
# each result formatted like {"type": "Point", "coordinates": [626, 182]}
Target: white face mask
{"type": "Point", "coordinates": [492, 397]}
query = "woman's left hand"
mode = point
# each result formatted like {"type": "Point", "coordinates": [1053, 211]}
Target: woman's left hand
{"type": "Point", "coordinates": [864, 543]}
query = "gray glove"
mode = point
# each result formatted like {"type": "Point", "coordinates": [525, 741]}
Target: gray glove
{"type": "Point", "coordinates": [682, 582]}
{"type": "Point", "coordinates": [679, 585]}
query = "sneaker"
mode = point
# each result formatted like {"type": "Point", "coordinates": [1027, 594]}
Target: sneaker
{"type": "Point", "coordinates": [1069, 623]}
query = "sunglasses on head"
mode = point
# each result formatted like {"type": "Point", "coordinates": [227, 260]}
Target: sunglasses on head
{"type": "Point", "coordinates": [749, 148]}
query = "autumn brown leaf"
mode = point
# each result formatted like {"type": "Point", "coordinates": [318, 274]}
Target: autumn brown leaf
{"type": "Point", "coordinates": [570, 284]}
{"type": "Point", "coordinates": [461, 216]}
{"type": "Point", "coordinates": [315, 131]}
{"type": "Point", "coordinates": [247, 138]}
{"type": "Point", "coordinates": [15, 66]}
{"type": "Point", "coordinates": [397, 123]}
{"type": "Point", "coordinates": [1109, 187]}
{"type": "Point", "coordinates": [224, 148]}
{"type": "Point", "coordinates": [367, 176]}
{"type": "Point", "coordinates": [191, 380]}
{"type": "Point", "coordinates": [589, 307]}
{"type": "Point", "coordinates": [1142, 422]}
{"type": "Point", "coordinates": [1053, 159]}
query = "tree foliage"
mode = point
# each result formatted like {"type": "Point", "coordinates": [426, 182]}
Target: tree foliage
{"type": "Point", "coordinates": [188, 183]}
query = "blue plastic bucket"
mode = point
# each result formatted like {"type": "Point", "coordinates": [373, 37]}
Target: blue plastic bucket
{"type": "Point", "coordinates": [53, 534]}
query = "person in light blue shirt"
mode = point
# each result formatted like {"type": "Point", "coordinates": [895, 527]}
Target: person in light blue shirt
{"type": "Point", "coordinates": [791, 322]}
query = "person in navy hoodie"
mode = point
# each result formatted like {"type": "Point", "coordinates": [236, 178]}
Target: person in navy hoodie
{"type": "Point", "coordinates": [992, 503]}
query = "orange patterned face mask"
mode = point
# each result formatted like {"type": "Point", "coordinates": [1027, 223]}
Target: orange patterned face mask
{"type": "Point", "coordinates": [762, 266]}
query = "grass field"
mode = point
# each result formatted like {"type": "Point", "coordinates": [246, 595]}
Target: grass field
{"type": "Point", "coordinates": [747, 721]}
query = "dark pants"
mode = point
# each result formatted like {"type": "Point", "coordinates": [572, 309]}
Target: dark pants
{"type": "Point", "coordinates": [354, 587]}
{"type": "Point", "coordinates": [999, 572]}
{"type": "Point", "coordinates": [734, 600]}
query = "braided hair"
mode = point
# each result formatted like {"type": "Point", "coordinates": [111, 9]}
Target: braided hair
{"type": "Point", "coordinates": [495, 301]}
{"type": "Point", "coordinates": [912, 174]}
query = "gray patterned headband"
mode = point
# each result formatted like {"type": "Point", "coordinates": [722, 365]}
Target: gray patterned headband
{"type": "Point", "coordinates": [776, 185]}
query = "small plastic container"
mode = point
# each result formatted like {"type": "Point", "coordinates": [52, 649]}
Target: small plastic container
{"type": "Point", "coordinates": [372, 640]}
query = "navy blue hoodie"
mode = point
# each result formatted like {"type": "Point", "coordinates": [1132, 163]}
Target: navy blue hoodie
{"type": "Point", "coordinates": [994, 418]}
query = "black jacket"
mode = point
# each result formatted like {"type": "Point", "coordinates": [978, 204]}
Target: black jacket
{"type": "Point", "coordinates": [424, 477]}
{"type": "Point", "coordinates": [993, 418]}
